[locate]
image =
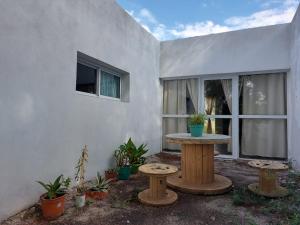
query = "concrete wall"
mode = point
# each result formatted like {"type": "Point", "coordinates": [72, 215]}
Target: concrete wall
{"type": "Point", "coordinates": [250, 50]}
{"type": "Point", "coordinates": [44, 122]}
{"type": "Point", "coordinates": [294, 90]}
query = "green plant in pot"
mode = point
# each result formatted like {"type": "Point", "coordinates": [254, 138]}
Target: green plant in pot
{"type": "Point", "coordinates": [53, 201]}
{"type": "Point", "coordinates": [135, 155]}
{"type": "Point", "coordinates": [196, 124]}
{"type": "Point", "coordinates": [99, 189]}
{"type": "Point", "coordinates": [121, 157]}
{"type": "Point", "coordinates": [79, 177]}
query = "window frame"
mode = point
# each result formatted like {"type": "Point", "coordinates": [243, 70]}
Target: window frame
{"type": "Point", "coordinates": [100, 66]}
{"type": "Point", "coordinates": [235, 116]}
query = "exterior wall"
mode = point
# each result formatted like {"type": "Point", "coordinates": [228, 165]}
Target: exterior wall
{"type": "Point", "coordinates": [44, 122]}
{"type": "Point", "coordinates": [294, 90]}
{"type": "Point", "coordinates": [250, 50]}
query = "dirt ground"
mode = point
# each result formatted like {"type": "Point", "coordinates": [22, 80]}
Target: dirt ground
{"type": "Point", "coordinates": [122, 206]}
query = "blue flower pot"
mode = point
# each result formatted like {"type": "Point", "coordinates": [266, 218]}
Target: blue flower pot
{"type": "Point", "coordinates": [124, 173]}
{"type": "Point", "coordinates": [196, 130]}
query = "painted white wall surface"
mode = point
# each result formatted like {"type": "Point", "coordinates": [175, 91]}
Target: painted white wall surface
{"type": "Point", "coordinates": [44, 122]}
{"type": "Point", "coordinates": [250, 50]}
{"type": "Point", "coordinates": [294, 91]}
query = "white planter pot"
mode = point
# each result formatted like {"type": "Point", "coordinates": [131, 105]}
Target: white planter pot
{"type": "Point", "coordinates": [80, 201]}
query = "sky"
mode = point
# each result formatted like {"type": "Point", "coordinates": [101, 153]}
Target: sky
{"type": "Point", "coordinates": [174, 19]}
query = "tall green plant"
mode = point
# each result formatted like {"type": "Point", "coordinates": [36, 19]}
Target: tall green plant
{"type": "Point", "coordinates": [58, 188]}
{"type": "Point", "coordinates": [135, 154]}
{"type": "Point", "coordinates": [80, 170]}
{"type": "Point", "coordinates": [121, 156]}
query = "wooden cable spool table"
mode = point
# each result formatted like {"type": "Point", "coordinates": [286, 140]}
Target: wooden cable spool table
{"type": "Point", "coordinates": [197, 164]}
{"type": "Point", "coordinates": [268, 183]}
{"type": "Point", "coordinates": [157, 194]}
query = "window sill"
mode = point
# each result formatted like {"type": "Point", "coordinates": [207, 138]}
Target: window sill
{"type": "Point", "coordinates": [99, 96]}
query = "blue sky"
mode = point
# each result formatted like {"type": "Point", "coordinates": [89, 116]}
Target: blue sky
{"type": "Point", "coordinates": [172, 19]}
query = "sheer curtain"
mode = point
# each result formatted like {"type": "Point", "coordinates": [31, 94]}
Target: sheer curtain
{"type": "Point", "coordinates": [264, 95]}
{"type": "Point", "coordinates": [175, 103]}
{"type": "Point", "coordinates": [227, 88]}
{"type": "Point", "coordinates": [110, 85]}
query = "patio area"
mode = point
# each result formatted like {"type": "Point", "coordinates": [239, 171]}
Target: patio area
{"type": "Point", "coordinates": [236, 207]}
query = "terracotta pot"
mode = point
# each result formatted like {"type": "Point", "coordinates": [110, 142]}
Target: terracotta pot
{"type": "Point", "coordinates": [52, 208]}
{"type": "Point", "coordinates": [97, 195]}
{"type": "Point", "coordinates": [111, 175]}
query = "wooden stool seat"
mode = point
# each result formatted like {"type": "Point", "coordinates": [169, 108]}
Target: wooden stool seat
{"type": "Point", "coordinates": [268, 183]}
{"type": "Point", "coordinates": [157, 194]}
{"type": "Point", "coordinates": [197, 164]}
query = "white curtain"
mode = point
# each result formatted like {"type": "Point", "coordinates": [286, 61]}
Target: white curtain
{"type": "Point", "coordinates": [175, 102]}
{"type": "Point", "coordinates": [264, 95]}
{"type": "Point", "coordinates": [227, 88]}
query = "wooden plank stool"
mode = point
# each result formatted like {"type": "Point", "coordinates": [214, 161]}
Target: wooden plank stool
{"type": "Point", "coordinates": [157, 194]}
{"type": "Point", "coordinates": [268, 183]}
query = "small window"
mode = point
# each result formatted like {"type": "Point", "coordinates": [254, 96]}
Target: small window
{"type": "Point", "coordinates": [110, 85]}
{"type": "Point", "coordinates": [86, 79]}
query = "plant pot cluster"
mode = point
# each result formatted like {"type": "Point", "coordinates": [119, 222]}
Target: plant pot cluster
{"type": "Point", "coordinates": [128, 159]}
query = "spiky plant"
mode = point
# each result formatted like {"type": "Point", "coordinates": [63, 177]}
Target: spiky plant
{"type": "Point", "coordinates": [100, 184]}
{"type": "Point", "coordinates": [80, 170]}
{"type": "Point", "coordinates": [58, 188]}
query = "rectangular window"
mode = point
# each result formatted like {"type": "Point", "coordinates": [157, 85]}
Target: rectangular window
{"type": "Point", "coordinates": [101, 79]}
{"type": "Point", "coordinates": [86, 79]}
{"type": "Point", "coordinates": [262, 106]}
{"type": "Point", "coordinates": [110, 85]}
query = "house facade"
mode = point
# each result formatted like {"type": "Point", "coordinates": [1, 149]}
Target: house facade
{"type": "Point", "coordinates": [85, 72]}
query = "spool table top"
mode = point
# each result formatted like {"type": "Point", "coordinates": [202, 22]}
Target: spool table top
{"type": "Point", "coordinates": [268, 164]}
{"type": "Point", "coordinates": [158, 169]}
{"type": "Point", "coordinates": [186, 138]}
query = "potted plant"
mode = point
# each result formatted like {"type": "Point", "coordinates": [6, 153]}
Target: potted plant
{"type": "Point", "coordinates": [196, 124]}
{"type": "Point", "coordinates": [111, 174]}
{"type": "Point", "coordinates": [79, 177]}
{"type": "Point", "coordinates": [135, 155]}
{"type": "Point", "coordinates": [53, 201]}
{"type": "Point", "coordinates": [99, 189]}
{"type": "Point", "coordinates": [121, 157]}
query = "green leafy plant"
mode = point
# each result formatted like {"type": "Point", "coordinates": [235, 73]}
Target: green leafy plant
{"type": "Point", "coordinates": [197, 119]}
{"type": "Point", "coordinates": [100, 184]}
{"type": "Point", "coordinates": [135, 154]}
{"type": "Point", "coordinates": [58, 188]}
{"type": "Point", "coordinates": [121, 156]}
{"type": "Point", "coordinates": [80, 170]}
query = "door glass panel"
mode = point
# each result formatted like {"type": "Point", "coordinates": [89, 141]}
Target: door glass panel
{"type": "Point", "coordinates": [218, 97]}
{"type": "Point", "coordinates": [220, 126]}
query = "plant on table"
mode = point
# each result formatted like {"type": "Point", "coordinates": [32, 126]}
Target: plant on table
{"type": "Point", "coordinates": [122, 161]}
{"type": "Point", "coordinates": [196, 124]}
{"type": "Point", "coordinates": [135, 154]}
{"type": "Point", "coordinates": [52, 202]}
{"type": "Point", "coordinates": [99, 189]}
{"type": "Point", "coordinates": [80, 177]}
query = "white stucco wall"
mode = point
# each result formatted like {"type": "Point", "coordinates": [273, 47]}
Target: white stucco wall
{"type": "Point", "coordinates": [44, 122]}
{"type": "Point", "coordinates": [250, 50]}
{"type": "Point", "coordinates": [294, 90]}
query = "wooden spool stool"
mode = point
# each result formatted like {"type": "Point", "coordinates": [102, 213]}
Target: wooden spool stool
{"type": "Point", "coordinates": [197, 164]}
{"type": "Point", "coordinates": [157, 194]}
{"type": "Point", "coordinates": [268, 183]}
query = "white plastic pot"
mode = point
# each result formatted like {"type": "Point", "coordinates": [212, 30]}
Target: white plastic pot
{"type": "Point", "coordinates": [80, 201]}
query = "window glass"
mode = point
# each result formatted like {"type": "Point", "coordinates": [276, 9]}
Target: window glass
{"type": "Point", "coordinates": [218, 97]}
{"type": "Point", "coordinates": [86, 79]}
{"type": "Point", "coordinates": [263, 138]}
{"type": "Point", "coordinates": [110, 85]}
{"type": "Point", "coordinates": [180, 97]}
{"type": "Point", "coordinates": [262, 94]}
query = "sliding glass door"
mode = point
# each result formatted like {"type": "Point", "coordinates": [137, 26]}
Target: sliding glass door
{"type": "Point", "coordinates": [251, 109]}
